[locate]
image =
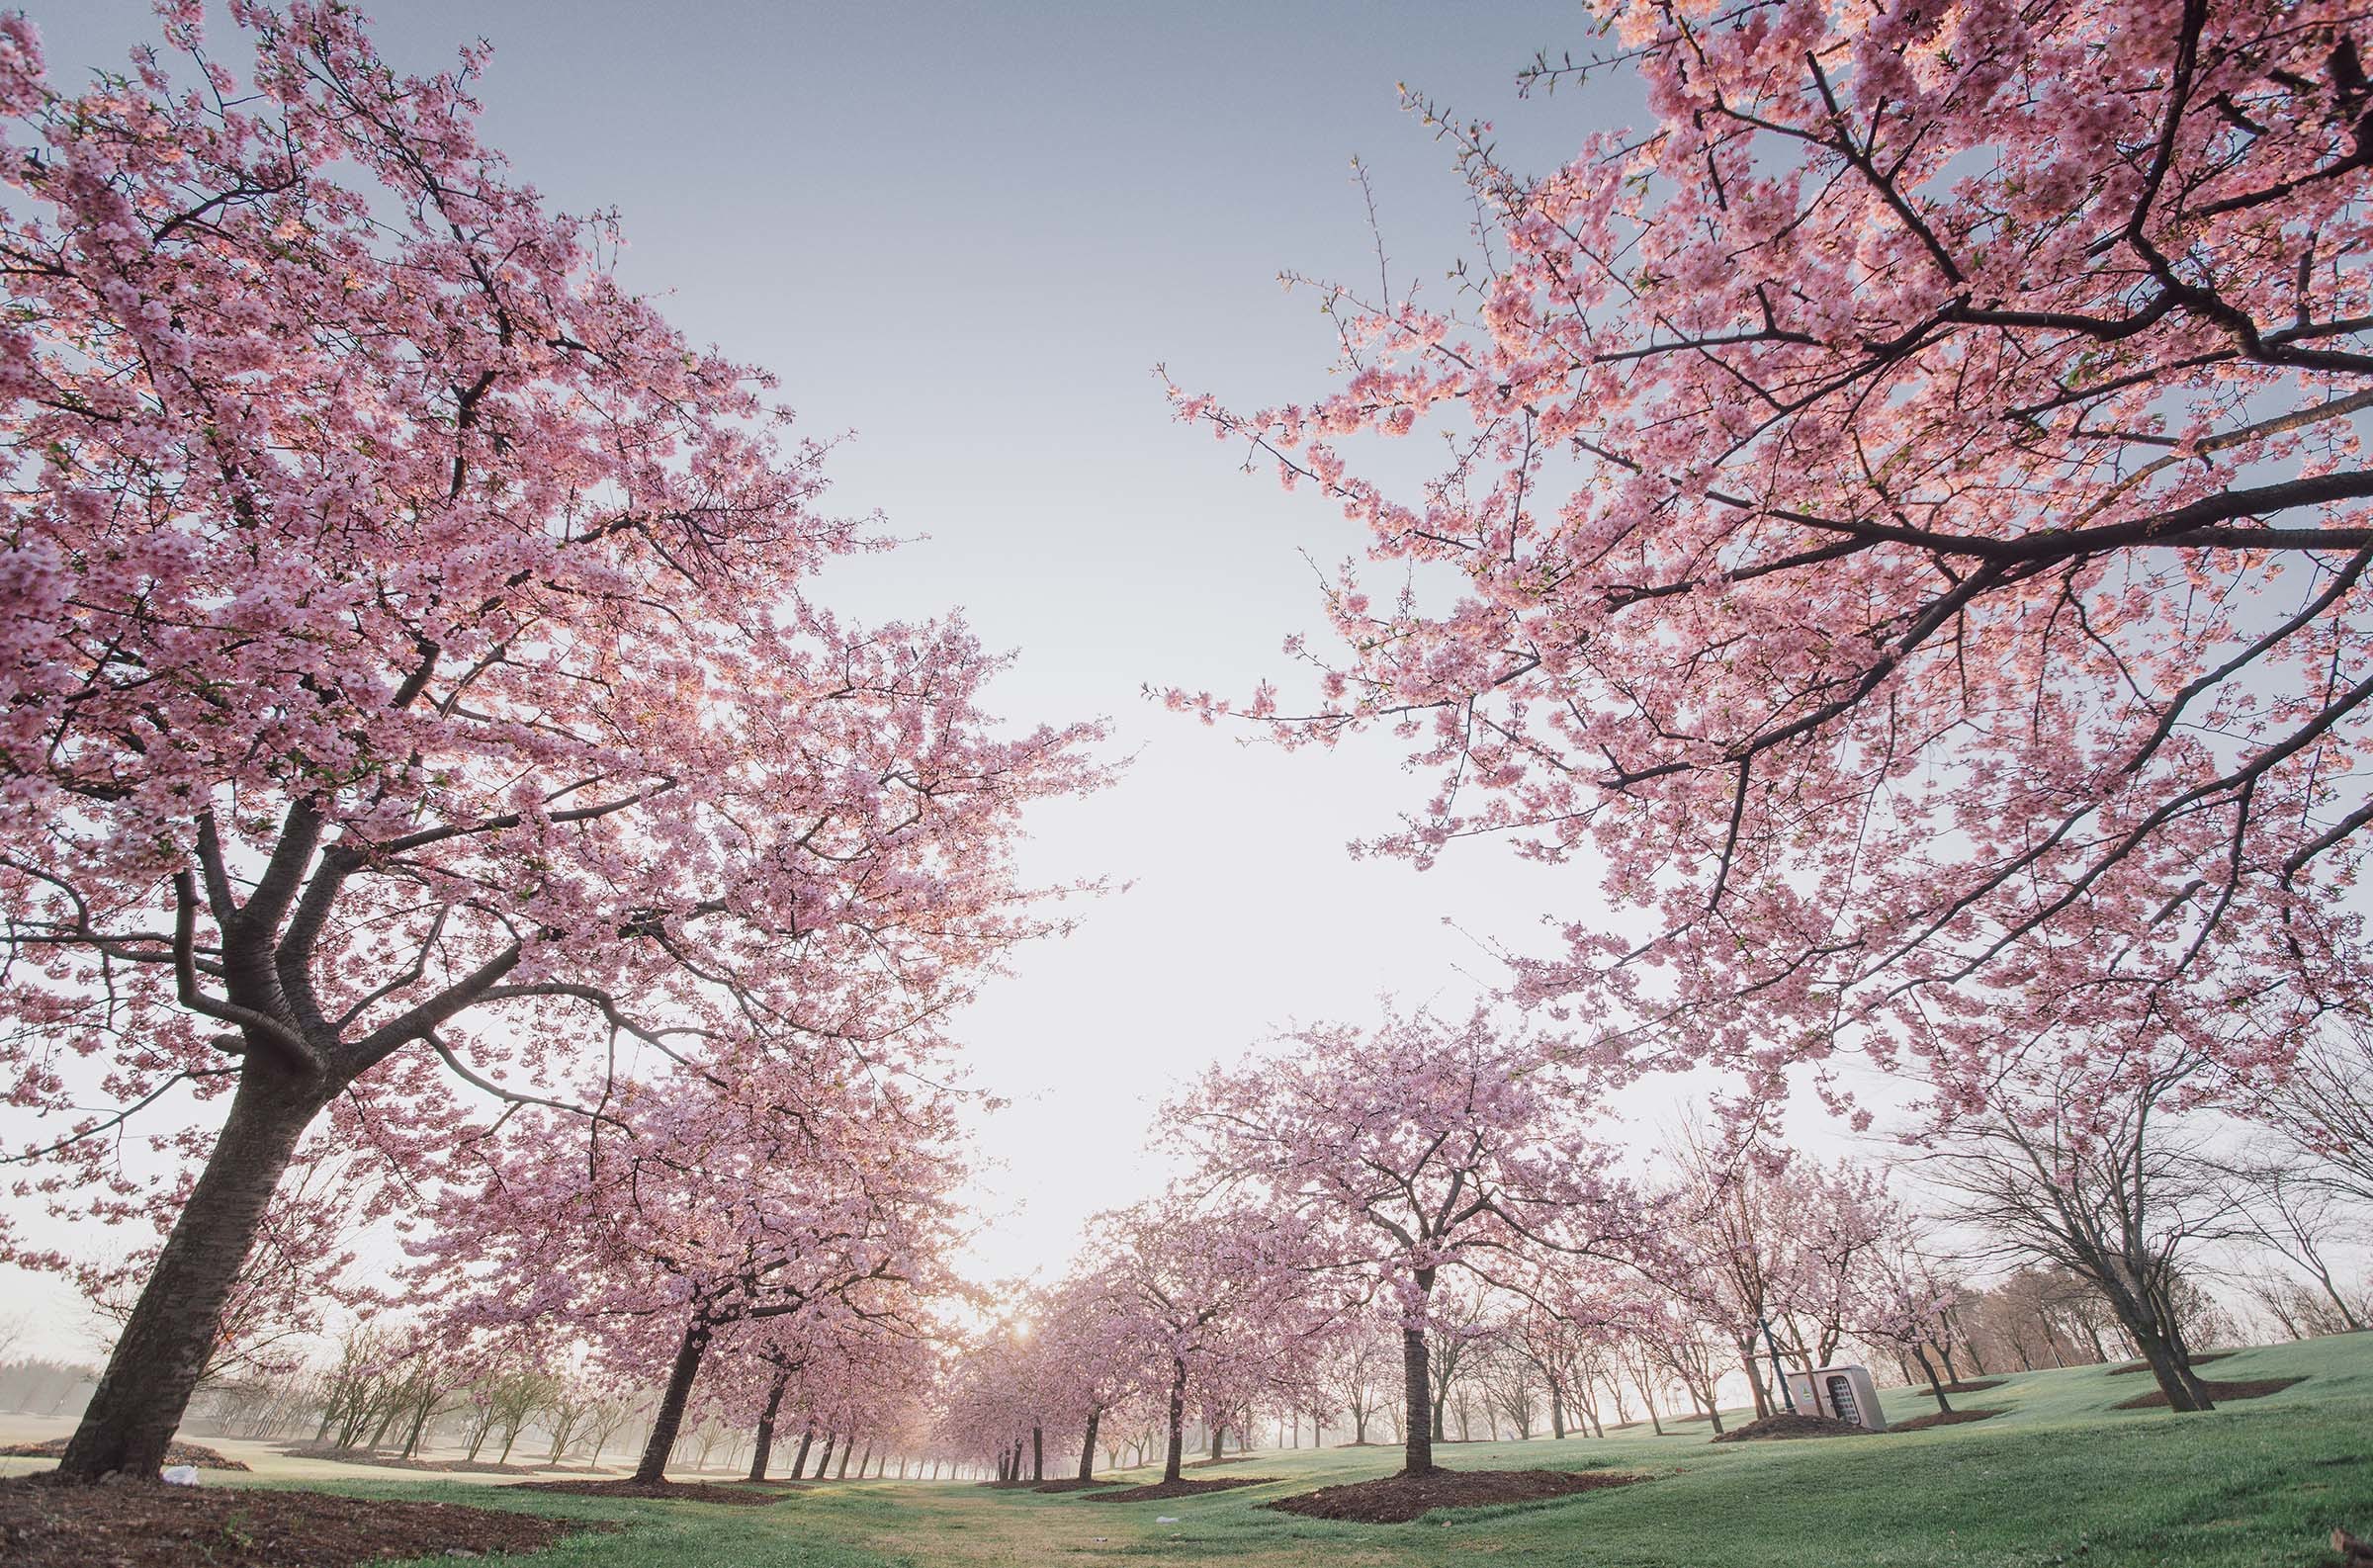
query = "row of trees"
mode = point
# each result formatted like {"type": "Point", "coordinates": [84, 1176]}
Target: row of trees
{"type": "Point", "coordinates": [1905, 526]}
{"type": "Point", "coordinates": [417, 696]}
{"type": "Point", "coordinates": [1415, 1223]}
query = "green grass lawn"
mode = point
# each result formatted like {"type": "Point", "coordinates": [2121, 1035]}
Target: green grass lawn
{"type": "Point", "coordinates": [2060, 1478]}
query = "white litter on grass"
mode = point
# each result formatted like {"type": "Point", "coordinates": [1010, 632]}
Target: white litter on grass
{"type": "Point", "coordinates": [180, 1475]}
{"type": "Point", "coordinates": [1166, 1519]}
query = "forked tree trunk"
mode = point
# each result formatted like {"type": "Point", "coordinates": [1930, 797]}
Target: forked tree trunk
{"type": "Point", "coordinates": [1416, 1448]}
{"type": "Point", "coordinates": [762, 1449]}
{"type": "Point", "coordinates": [164, 1348]}
{"type": "Point", "coordinates": [670, 1417]}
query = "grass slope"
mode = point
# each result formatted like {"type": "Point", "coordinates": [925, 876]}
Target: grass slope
{"type": "Point", "coordinates": [2060, 1478]}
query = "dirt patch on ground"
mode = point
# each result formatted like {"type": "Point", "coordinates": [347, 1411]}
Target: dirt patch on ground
{"type": "Point", "coordinates": [2134, 1368]}
{"type": "Point", "coordinates": [1396, 1500]}
{"type": "Point", "coordinates": [2221, 1393]}
{"type": "Point", "coordinates": [1163, 1489]}
{"type": "Point", "coordinates": [1942, 1418]}
{"type": "Point", "coordinates": [176, 1452]}
{"type": "Point", "coordinates": [1978, 1386]}
{"type": "Point", "coordinates": [148, 1524]}
{"type": "Point", "coordinates": [1787, 1425]}
{"type": "Point", "coordinates": [746, 1494]}
{"type": "Point", "coordinates": [1070, 1484]}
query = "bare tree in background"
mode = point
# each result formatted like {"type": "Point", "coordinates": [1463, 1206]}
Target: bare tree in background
{"type": "Point", "coordinates": [2322, 1110]}
{"type": "Point", "coordinates": [2289, 1209]}
{"type": "Point", "coordinates": [2108, 1187]}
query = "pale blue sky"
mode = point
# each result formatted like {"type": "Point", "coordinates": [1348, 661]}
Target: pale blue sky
{"type": "Point", "coordinates": [968, 234]}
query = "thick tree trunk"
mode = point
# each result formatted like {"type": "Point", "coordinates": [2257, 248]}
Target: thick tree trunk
{"type": "Point", "coordinates": [823, 1461]}
{"type": "Point", "coordinates": [1556, 1414]}
{"type": "Point", "coordinates": [163, 1350]}
{"type": "Point", "coordinates": [670, 1417]}
{"type": "Point", "coordinates": [2172, 1371]}
{"type": "Point", "coordinates": [1219, 1440]}
{"type": "Point", "coordinates": [762, 1449]}
{"type": "Point", "coordinates": [1178, 1418]}
{"type": "Point", "coordinates": [807, 1440]}
{"type": "Point", "coordinates": [1037, 1453]}
{"type": "Point", "coordinates": [1417, 1449]}
{"type": "Point", "coordinates": [1088, 1445]}
{"type": "Point", "coordinates": [848, 1446]}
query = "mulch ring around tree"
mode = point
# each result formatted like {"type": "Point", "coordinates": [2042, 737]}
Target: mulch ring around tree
{"type": "Point", "coordinates": [744, 1493]}
{"type": "Point", "coordinates": [148, 1524]}
{"type": "Point", "coordinates": [1163, 1489]}
{"type": "Point", "coordinates": [2221, 1393]}
{"type": "Point", "coordinates": [2134, 1368]}
{"type": "Point", "coordinates": [1396, 1500]}
{"type": "Point", "coordinates": [1785, 1424]}
{"type": "Point", "coordinates": [1965, 1386]}
{"type": "Point", "coordinates": [1942, 1418]}
{"type": "Point", "coordinates": [195, 1454]}
{"type": "Point", "coordinates": [1069, 1484]}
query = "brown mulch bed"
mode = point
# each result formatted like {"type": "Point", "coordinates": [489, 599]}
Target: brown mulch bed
{"type": "Point", "coordinates": [1785, 1424]}
{"type": "Point", "coordinates": [1070, 1484]}
{"type": "Point", "coordinates": [148, 1524]}
{"type": "Point", "coordinates": [2132, 1369]}
{"type": "Point", "coordinates": [2255, 1388]}
{"type": "Point", "coordinates": [196, 1454]}
{"type": "Point", "coordinates": [1163, 1489]}
{"type": "Point", "coordinates": [1978, 1386]}
{"type": "Point", "coordinates": [1205, 1464]}
{"type": "Point", "coordinates": [741, 1492]}
{"type": "Point", "coordinates": [1398, 1499]}
{"type": "Point", "coordinates": [1940, 1418]}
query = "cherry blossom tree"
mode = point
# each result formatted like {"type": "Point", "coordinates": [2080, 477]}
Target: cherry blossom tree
{"type": "Point", "coordinates": [1902, 1304]}
{"type": "Point", "coordinates": [1094, 1358]}
{"type": "Point", "coordinates": [1212, 1293]}
{"type": "Point", "coordinates": [408, 653]}
{"type": "Point", "coordinates": [2101, 1176]}
{"type": "Point", "coordinates": [1417, 1146]}
{"type": "Point", "coordinates": [1903, 521]}
{"type": "Point", "coordinates": [701, 1204]}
